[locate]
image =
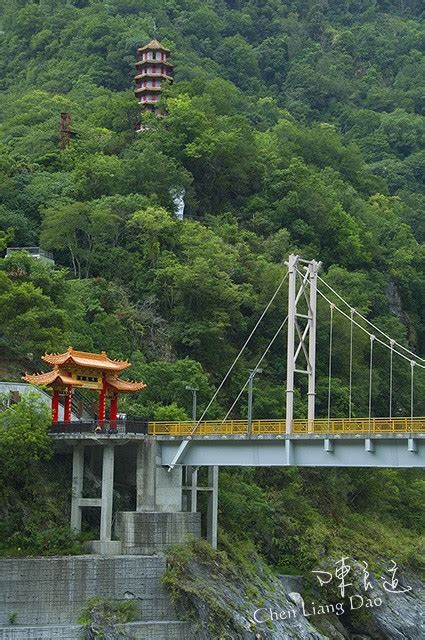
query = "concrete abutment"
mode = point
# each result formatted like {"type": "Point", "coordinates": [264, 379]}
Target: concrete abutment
{"type": "Point", "coordinates": [165, 510]}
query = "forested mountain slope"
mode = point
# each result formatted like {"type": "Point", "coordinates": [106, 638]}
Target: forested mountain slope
{"type": "Point", "coordinates": [292, 126]}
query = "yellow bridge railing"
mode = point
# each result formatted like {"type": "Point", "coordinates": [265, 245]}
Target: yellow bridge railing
{"type": "Point", "coordinates": [278, 427]}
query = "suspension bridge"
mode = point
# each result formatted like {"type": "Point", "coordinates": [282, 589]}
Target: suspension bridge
{"type": "Point", "coordinates": [164, 458]}
{"type": "Point", "coordinates": [392, 440]}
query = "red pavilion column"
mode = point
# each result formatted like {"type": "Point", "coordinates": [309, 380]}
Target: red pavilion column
{"type": "Point", "coordinates": [68, 405]}
{"type": "Point", "coordinates": [113, 412]}
{"type": "Point", "coordinates": [101, 410]}
{"type": "Point", "coordinates": [55, 405]}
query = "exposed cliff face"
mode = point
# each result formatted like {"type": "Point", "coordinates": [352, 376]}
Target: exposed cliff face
{"type": "Point", "coordinates": [401, 616]}
{"type": "Point", "coordinates": [247, 602]}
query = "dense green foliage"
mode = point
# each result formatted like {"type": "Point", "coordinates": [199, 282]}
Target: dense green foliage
{"type": "Point", "coordinates": [292, 126]}
{"type": "Point", "coordinates": [33, 516]}
{"type": "Point", "coordinates": [23, 437]}
{"type": "Point", "coordinates": [102, 617]}
{"type": "Point", "coordinates": [301, 518]}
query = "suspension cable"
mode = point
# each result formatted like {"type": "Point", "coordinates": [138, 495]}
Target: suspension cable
{"type": "Point", "coordinates": [256, 367]}
{"type": "Point", "coordinates": [391, 378]}
{"type": "Point", "coordinates": [372, 340]}
{"type": "Point", "coordinates": [240, 352]}
{"type": "Point", "coordinates": [411, 353]}
{"type": "Point", "coordinates": [332, 306]}
{"type": "Point", "coordinates": [351, 365]}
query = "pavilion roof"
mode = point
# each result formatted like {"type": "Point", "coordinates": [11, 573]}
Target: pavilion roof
{"type": "Point", "coordinates": [60, 374]}
{"type": "Point", "coordinates": [124, 386]}
{"type": "Point", "coordinates": [50, 378]}
{"type": "Point", "coordinates": [85, 359]}
{"type": "Point", "coordinates": [154, 44]}
{"type": "Point", "coordinates": [58, 377]}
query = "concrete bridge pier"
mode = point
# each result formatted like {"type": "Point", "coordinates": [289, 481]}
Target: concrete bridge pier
{"type": "Point", "coordinates": [166, 509]}
{"type": "Point", "coordinates": [190, 498]}
{"type": "Point", "coordinates": [105, 545]}
{"type": "Point", "coordinates": [107, 494]}
{"type": "Point", "coordinates": [77, 486]}
{"type": "Point", "coordinates": [157, 488]}
{"type": "Point", "coordinates": [212, 513]}
{"type": "Point", "coordinates": [159, 519]}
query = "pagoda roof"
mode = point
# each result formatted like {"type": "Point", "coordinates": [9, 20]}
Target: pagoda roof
{"type": "Point", "coordinates": [85, 359]}
{"type": "Point", "coordinates": [51, 377]}
{"type": "Point", "coordinates": [153, 44]}
{"type": "Point", "coordinates": [155, 76]}
{"type": "Point", "coordinates": [152, 63]}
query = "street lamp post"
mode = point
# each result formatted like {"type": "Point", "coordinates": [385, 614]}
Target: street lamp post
{"type": "Point", "coordinates": [192, 472]}
{"type": "Point", "coordinates": [252, 374]}
{"type": "Point", "coordinates": [194, 399]}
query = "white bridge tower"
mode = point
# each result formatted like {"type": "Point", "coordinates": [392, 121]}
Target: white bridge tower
{"type": "Point", "coordinates": [301, 344]}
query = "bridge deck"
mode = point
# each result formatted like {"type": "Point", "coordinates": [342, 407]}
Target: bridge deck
{"type": "Point", "coordinates": [270, 428]}
{"type": "Point", "coordinates": [339, 443]}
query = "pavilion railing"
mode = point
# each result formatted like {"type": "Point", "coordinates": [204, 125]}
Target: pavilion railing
{"type": "Point", "coordinates": [100, 426]}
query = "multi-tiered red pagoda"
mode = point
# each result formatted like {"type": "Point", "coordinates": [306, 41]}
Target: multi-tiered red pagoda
{"type": "Point", "coordinates": [82, 370]}
{"type": "Point", "coordinates": [153, 67]}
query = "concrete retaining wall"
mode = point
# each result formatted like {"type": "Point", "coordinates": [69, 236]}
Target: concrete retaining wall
{"type": "Point", "coordinates": [137, 630]}
{"type": "Point", "coordinates": [146, 533]}
{"type": "Point", "coordinates": [53, 590]}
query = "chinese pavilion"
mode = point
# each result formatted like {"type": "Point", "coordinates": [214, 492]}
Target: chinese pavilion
{"type": "Point", "coordinates": [152, 68]}
{"type": "Point", "coordinates": [78, 369]}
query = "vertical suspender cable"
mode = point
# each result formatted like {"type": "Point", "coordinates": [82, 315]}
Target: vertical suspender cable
{"type": "Point", "coordinates": [372, 338]}
{"type": "Point", "coordinates": [412, 368]}
{"type": "Point", "coordinates": [332, 306]}
{"type": "Point", "coordinates": [352, 311]}
{"type": "Point", "coordinates": [256, 367]}
{"type": "Point", "coordinates": [391, 377]}
{"type": "Point", "coordinates": [269, 304]}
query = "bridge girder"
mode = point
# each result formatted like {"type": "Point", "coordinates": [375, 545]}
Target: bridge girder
{"type": "Point", "coordinates": [312, 451]}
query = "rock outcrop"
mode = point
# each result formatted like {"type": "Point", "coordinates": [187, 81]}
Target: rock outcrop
{"type": "Point", "coordinates": [250, 603]}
